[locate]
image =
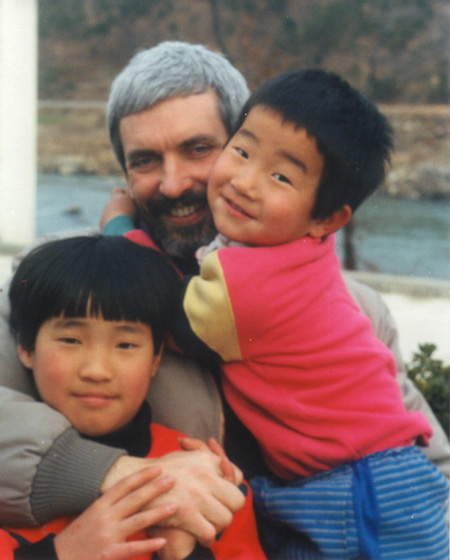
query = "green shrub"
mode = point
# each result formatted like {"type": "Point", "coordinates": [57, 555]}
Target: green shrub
{"type": "Point", "coordinates": [431, 377]}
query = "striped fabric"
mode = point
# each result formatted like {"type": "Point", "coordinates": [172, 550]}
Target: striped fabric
{"type": "Point", "coordinates": [404, 519]}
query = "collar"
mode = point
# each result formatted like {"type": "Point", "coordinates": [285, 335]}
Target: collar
{"type": "Point", "coordinates": [134, 438]}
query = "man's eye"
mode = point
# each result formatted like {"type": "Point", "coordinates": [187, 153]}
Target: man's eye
{"type": "Point", "coordinates": [282, 178]}
{"type": "Point", "coordinates": [200, 150]}
{"type": "Point", "coordinates": [141, 161]}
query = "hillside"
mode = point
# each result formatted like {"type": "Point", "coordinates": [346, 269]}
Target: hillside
{"type": "Point", "coordinates": [394, 51]}
{"type": "Point", "coordinates": [397, 53]}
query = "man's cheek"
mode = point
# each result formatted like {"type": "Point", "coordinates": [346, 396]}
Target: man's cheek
{"type": "Point", "coordinates": [130, 189]}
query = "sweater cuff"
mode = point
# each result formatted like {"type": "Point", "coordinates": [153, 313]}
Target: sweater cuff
{"type": "Point", "coordinates": [120, 225]}
{"type": "Point", "coordinates": [69, 476]}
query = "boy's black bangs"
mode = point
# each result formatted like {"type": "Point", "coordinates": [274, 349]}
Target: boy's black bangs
{"type": "Point", "coordinates": [108, 277]}
{"type": "Point", "coordinates": [104, 290]}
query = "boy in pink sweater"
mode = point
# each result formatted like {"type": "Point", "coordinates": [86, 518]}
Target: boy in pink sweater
{"type": "Point", "coordinates": [302, 367]}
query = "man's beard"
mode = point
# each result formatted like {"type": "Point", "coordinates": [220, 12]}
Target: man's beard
{"type": "Point", "coordinates": [177, 241]}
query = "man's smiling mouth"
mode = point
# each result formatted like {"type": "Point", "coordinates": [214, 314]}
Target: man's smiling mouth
{"type": "Point", "coordinates": [185, 211]}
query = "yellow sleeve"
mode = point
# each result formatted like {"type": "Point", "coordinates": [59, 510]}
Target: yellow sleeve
{"type": "Point", "coordinates": [209, 311]}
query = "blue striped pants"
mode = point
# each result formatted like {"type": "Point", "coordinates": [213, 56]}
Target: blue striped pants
{"type": "Point", "coordinates": [387, 506]}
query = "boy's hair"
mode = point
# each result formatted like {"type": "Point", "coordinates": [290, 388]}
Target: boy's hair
{"type": "Point", "coordinates": [173, 69]}
{"type": "Point", "coordinates": [93, 275]}
{"type": "Point", "coordinates": [354, 138]}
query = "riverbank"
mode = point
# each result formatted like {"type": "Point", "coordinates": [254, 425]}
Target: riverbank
{"type": "Point", "coordinates": [72, 138]}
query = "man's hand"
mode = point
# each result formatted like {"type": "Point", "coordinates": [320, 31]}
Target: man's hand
{"type": "Point", "coordinates": [179, 543]}
{"type": "Point", "coordinates": [119, 204]}
{"type": "Point", "coordinates": [206, 501]}
{"type": "Point", "coordinates": [102, 529]}
{"type": "Point", "coordinates": [229, 471]}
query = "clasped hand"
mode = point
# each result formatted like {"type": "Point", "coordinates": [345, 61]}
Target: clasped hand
{"type": "Point", "coordinates": [205, 488]}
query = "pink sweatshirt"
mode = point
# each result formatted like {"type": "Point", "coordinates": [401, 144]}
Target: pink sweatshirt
{"type": "Point", "coordinates": [303, 369]}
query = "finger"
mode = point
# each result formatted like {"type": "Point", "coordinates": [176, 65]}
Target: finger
{"type": "Point", "coordinates": [226, 466]}
{"type": "Point", "coordinates": [226, 493]}
{"type": "Point", "coordinates": [216, 448]}
{"type": "Point", "coordinates": [238, 474]}
{"type": "Point", "coordinates": [143, 495]}
{"type": "Point", "coordinates": [218, 509]}
{"type": "Point", "coordinates": [218, 515]}
{"type": "Point", "coordinates": [193, 444]}
{"type": "Point", "coordinates": [131, 549]}
{"type": "Point", "coordinates": [130, 483]}
{"type": "Point", "coordinates": [147, 518]}
{"type": "Point", "coordinates": [209, 517]}
{"type": "Point", "coordinates": [199, 527]}
{"type": "Point", "coordinates": [227, 470]}
{"type": "Point", "coordinates": [203, 530]}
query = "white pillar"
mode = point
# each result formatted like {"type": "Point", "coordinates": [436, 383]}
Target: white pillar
{"type": "Point", "coordinates": [18, 113]}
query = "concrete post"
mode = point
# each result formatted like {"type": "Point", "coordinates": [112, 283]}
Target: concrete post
{"type": "Point", "coordinates": [18, 113]}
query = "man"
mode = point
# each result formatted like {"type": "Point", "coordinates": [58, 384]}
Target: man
{"type": "Point", "coordinates": [169, 114]}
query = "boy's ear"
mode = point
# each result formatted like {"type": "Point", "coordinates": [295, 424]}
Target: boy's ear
{"type": "Point", "coordinates": [156, 362]}
{"type": "Point", "coordinates": [25, 356]}
{"type": "Point", "coordinates": [326, 226]}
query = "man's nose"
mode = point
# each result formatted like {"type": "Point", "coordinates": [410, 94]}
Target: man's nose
{"type": "Point", "coordinates": [176, 179]}
{"type": "Point", "coordinates": [96, 366]}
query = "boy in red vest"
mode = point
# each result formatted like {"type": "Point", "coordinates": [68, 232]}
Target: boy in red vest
{"type": "Point", "coordinates": [90, 315]}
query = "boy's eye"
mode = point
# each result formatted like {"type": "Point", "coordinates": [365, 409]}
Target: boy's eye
{"type": "Point", "coordinates": [241, 152]}
{"type": "Point", "coordinates": [282, 178]}
{"type": "Point", "coordinates": [68, 340]}
{"type": "Point", "coordinates": [126, 345]}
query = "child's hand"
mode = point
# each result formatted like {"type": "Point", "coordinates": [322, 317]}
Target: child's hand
{"type": "Point", "coordinates": [179, 543]}
{"type": "Point", "coordinates": [119, 204]}
{"type": "Point", "coordinates": [229, 470]}
{"type": "Point", "coordinates": [101, 531]}
{"type": "Point", "coordinates": [206, 501]}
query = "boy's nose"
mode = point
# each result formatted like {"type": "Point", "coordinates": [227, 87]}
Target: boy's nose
{"type": "Point", "coordinates": [95, 367]}
{"type": "Point", "coordinates": [245, 183]}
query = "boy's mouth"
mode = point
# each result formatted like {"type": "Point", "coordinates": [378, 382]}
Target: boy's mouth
{"type": "Point", "coordinates": [234, 208]}
{"type": "Point", "coordinates": [94, 400]}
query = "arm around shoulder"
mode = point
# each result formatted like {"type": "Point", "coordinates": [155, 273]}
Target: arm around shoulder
{"type": "Point", "coordinates": [47, 468]}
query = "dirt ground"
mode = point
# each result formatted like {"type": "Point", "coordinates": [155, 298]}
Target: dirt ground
{"type": "Point", "coordinates": [75, 140]}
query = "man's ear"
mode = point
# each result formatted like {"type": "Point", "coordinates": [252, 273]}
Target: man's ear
{"type": "Point", "coordinates": [326, 226]}
{"type": "Point", "coordinates": [127, 185]}
{"type": "Point", "coordinates": [25, 356]}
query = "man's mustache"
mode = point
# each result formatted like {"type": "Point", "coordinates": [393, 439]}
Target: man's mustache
{"type": "Point", "coordinates": [163, 204]}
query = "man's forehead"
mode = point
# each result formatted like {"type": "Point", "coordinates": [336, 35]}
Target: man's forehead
{"type": "Point", "coordinates": [174, 121]}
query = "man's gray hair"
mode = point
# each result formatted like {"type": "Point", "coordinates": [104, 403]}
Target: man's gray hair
{"type": "Point", "coordinates": [172, 69]}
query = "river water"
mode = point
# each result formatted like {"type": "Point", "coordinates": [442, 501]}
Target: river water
{"type": "Point", "coordinates": [395, 236]}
